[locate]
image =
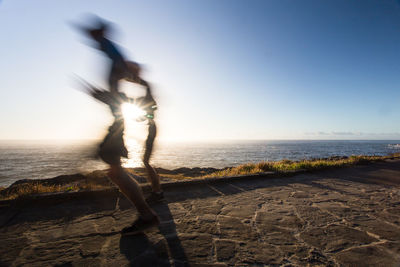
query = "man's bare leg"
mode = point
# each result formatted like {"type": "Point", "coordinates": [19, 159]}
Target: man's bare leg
{"type": "Point", "coordinates": [131, 189]}
{"type": "Point", "coordinates": [152, 175]}
{"type": "Point", "coordinates": [153, 178]}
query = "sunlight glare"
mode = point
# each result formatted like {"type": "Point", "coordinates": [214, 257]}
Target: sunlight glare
{"type": "Point", "coordinates": [135, 153]}
{"type": "Point", "coordinates": [131, 111]}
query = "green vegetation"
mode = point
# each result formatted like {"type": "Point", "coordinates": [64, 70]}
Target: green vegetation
{"type": "Point", "coordinates": [288, 165]}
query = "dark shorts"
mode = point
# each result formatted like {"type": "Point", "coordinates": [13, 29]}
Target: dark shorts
{"type": "Point", "coordinates": [113, 148]}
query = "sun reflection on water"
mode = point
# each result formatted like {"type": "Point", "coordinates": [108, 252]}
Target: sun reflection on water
{"type": "Point", "coordinates": [135, 154]}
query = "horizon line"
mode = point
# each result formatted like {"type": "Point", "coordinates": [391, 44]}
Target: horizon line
{"type": "Point", "coordinates": [209, 140]}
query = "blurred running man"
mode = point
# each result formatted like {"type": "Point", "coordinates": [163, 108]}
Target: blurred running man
{"type": "Point", "coordinates": [111, 150]}
{"type": "Point", "coordinates": [130, 71]}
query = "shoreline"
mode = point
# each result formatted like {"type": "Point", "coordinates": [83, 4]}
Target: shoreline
{"type": "Point", "coordinates": [98, 180]}
{"type": "Point", "coordinates": [44, 160]}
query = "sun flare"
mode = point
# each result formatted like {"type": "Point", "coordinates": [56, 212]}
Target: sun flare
{"type": "Point", "coordinates": [131, 111]}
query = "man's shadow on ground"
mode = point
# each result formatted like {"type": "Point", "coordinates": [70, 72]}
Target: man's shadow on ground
{"type": "Point", "coordinates": [140, 251]}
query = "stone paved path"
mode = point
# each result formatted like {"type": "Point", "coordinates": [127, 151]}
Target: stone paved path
{"type": "Point", "coordinates": [346, 217]}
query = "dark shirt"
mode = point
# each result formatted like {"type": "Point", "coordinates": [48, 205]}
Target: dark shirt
{"type": "Point", "coordinates": [110, 49]}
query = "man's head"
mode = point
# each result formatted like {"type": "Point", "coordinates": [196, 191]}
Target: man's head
{"type": "Point", "coordinates": [134, 71]}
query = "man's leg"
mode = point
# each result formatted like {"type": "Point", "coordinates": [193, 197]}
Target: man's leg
{"type": "Point", "coordinates": [131, 189]}
{"type": "Point", "coordinates": [153, 177]}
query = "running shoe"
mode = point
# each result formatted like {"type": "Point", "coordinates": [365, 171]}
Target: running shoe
{"type": "Point", "coordinates": [155, 197]}
{"type": "Point", "coordinates": [140, 225]}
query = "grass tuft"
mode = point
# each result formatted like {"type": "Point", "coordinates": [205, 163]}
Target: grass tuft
{"type": "Point", "coordinates": [34, 188]}
{"type": "Point", "coordinates": [288, 165]}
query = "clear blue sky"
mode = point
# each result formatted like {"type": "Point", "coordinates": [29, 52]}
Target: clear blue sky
{"type": "Point", "coordinates": [227, 69]}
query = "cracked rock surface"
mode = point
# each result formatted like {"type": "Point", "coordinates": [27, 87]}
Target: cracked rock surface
{"type": "Point", "coordinates": [341, 217]}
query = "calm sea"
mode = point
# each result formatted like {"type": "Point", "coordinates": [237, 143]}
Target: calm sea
{"type": "Point", "coordinates": [45, 159]}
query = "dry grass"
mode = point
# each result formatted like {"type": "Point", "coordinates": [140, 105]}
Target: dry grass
{"type": "Point", "coordinates": [288, 165]}
{"type": "Point", "coordinates": [30, 189]}
{"type": "Point", "coordinates": [27, 189]}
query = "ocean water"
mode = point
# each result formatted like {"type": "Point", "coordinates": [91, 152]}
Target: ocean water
{"type": "Point", "coordinates": [45, 159]}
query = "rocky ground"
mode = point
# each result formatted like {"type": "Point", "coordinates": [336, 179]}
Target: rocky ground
{"type": "Point", "coordinates": [343, 217]}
